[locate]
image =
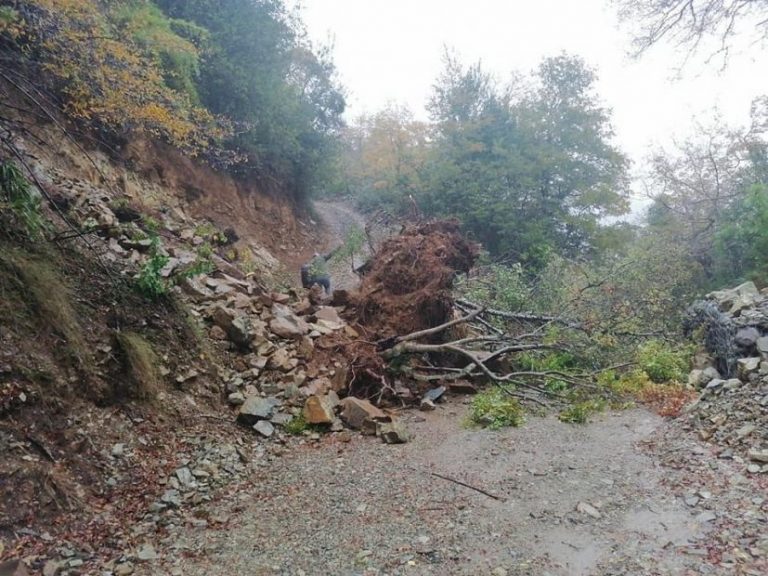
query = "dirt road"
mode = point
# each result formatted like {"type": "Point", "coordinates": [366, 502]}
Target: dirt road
{"type": "Point", "coordinates": [573, 500]}
{"type": "Point", "coordinates": [339, 220]}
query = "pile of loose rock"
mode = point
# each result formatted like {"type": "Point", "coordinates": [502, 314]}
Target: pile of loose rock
{"type": "Point", "coordinates": [732, 410]}
{"type": "Point", "coordinates": [285, 372]}
{"type": "Point", "coordinates": [278, 372]}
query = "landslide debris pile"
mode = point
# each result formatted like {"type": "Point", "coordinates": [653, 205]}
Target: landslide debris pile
{"type": "Point", "coordinates": [732, 410]}
{"type": "Point", "coordinates": [409, 283]}
{"type": "Point", "coordinates": [137, 384]}
{"type": "Point", "coordinates": [407, 287]}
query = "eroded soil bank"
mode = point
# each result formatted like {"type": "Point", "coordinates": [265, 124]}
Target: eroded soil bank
{"type": "Point", "coordinates": [626, 494]}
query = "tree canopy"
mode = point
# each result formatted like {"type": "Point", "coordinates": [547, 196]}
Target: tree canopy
{"type": "Point", "coordinates": [528, 167]}
{"type": "Point", "coordinates": [688, 23]}
{"type": "Point", "coordinates": [234, 81]}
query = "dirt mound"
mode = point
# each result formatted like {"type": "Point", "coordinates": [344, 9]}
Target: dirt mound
{"type": "Point", "coordinates": [408, 286]}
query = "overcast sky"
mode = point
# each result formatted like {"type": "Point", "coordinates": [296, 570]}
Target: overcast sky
{"type": "Point", "coordinates": [391, 50]}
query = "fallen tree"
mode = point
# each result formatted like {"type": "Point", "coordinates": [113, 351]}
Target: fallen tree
{"type": "Point", "coordinates": [417, 335]}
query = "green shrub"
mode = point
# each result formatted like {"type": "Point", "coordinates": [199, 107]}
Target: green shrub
{"type": "Point", "coordinates": [579, 413]}
{"type": "Point", "coordinates": [149, 282]}
{"type": "Point", "coordinates": [203, 263]}
{"type": "Point", "coordinates": [661, 362]}
{"type": "Point", "coordinates": [24, 203]}
{"type": "Point", "coordinates": [494, 408]}
{"type": "Point", "coordinates": [297, 426]}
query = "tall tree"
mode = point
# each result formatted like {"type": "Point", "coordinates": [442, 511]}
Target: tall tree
{"type": "Point", "coordinates": [530, 171]}
{"type": "Point", "coordinates": [687, 23]}
{"type": "Point", "coordinates": [384, 158]}
{"type": "Point", "coordinates": [709, 196]}
{"type": "Point", "coordinates": [261, 71]}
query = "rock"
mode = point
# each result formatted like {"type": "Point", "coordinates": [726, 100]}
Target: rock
{"type": "Point", "coordinates": [732, 384]}
{"type": "Point", "coordinates": [240, 301]}
{"type": "Point", "coordinates": [370, 427]}
{"type": "Point", "coordinates": [736, 299]}
{"type": "Point", "coordinates": [52, 568]}
{"type": "Point", "coordinates": [326, 326]}
{"type": "Point", "coordinates": [762, 346]}
{"type": "Point", "coordinates": [171, 498]}
{"type": "Point", "coordinates": [588, 509]}
{"type": "Point", "coordinates": [281, 419]}
{"type": "Point", "coordinates": [337, 425]}
{"type": "Point", "coordinates": [747, 337]}
{"type": "Point", "coordinates": [706, 517]}
{"type": "Point", "coordinates": [392, 432]}
{"type": "Point", "coordinates": [170, 267]}
{"type": "Point", "coordinates": [758, 455]}
{"type": "Point", "coordinates": [256, 408]}
{"type": "Point", "coordinates": [328, 313]}
{"type": "Point", "coordinates": [281, 360]}
{"type": "Point", "coordinates": [694, 378]}
{"type": "Point", "coordinates": [305, 348]}
{"type": "Point", "coordinates": [317, 387]}
{"type": "Point", "coordinates": [747, 366]}
{"type": "Point", "coordinates": [710, 373]}
{"type": "Point", "coordinates": [319, 410]}
{"type": "Point", "coordinates": [279, 298]}
{"type": "Point", "coordinates": [426, 405]}
{"type": "Point", "coordinates": [185, 477]}
{"type": "Point", "coordinates": [13, 568]}
{"type": "Point", "coordinates": [264, 428]}
{"type": "Point", "coordinates": [435, 394]}
{"type": "Point", "coordinates": [715, 383]}
{"type": "Point", "coordinates": [236, 326]}
{"type": "Point", "coordinates": [745, 431]}
{"type": "Point", "coordinates": [340, 378]}
{"type": "Point", "coordinates": [236, 399]}
{"type": "Point", "coordinates": [118, 450]}
{"type": "Point", "coordinates": [217, 333]}
{"type": "Point", "coordinates": [125, 569]}
{"type": "Point", "coordinates": [196, 289]}
{"type": "Point", "coordinates": [286, 324]}
{"type": "Point", "coordinates": [291, 327]}
{"type": "Point", "coordinates": [354, 411]}
{"type": "Point", "coordinates": [147, 553]}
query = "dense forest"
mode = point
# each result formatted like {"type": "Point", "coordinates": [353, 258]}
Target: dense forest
{"type": "Point", "coordinates": [236, 83]}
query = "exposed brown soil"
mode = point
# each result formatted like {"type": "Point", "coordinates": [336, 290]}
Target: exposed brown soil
{"type": "Point", "coordinates": [408, 285]}
{"type": "Point", "coordinates": [68, 389]}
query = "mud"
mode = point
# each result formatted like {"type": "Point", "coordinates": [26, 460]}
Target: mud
{"type": "Point", "coordinates": [360, 507]}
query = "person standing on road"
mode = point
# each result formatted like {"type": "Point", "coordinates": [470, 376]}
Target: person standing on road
{"type": "Point", "coordinates": [316, 272]}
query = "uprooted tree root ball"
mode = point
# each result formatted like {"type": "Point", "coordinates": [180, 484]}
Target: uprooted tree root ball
{"type": "Point", "coordinates": [409, 285]}
{"type": "Point", "coordinates": [408, 288]}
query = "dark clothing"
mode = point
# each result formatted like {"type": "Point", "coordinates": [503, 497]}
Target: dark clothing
{"type": "Point", "coordinates": [316, 272]}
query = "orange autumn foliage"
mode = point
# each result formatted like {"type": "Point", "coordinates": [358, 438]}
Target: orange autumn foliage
{"type": "Point", "coordinates": [106, 77]}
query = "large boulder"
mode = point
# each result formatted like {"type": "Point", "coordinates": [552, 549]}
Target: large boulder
{"type": "Point", "coordinates": [319, 409]}
{"type": "Point", "coordinates": [256, 408]}
{"type": "Point", "coordinates": [355, 412]}
{"type": "Point", "coordinates": [734, 300]}
{"type": "Point", "coordinates": [747, 366]}
{"type": "Point", "coordinates": [286, 324]}
{"type": "Point", "coordinates": [236, 325]}
{"type": "Point", "coordinates": [747, 337]}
